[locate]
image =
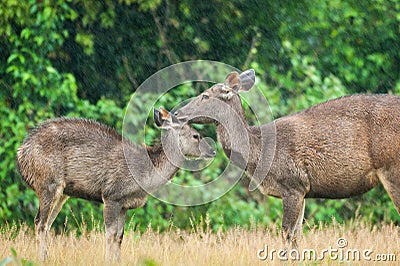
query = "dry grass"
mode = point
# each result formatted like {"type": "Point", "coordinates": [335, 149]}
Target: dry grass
{"type": "Point", "coordinates": [236, 246]}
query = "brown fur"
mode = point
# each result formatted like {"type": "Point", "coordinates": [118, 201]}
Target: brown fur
{"type": "Point", "coordinates": [337, 149]}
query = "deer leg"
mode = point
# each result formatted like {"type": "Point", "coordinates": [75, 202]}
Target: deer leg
{"type": "Point", "coordinates": [57, 209]}
{"type": "Point", "coordinates": [120, 232]}
{"type": "Point", "coordinates": [391, 182]}
{"type": "Point", "coordinates": [47, 202]}
{"type": "Point", "coordinates": [293, 211]}
{"type": "Point", "coordinates": [299, 224]}
{"type": "Point", "coordinates": [112, 211]}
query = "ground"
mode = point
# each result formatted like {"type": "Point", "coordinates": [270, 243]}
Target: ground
{"type": "Point", "coordinates": [354, 243]}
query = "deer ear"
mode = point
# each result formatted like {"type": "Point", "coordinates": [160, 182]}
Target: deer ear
{"type": "Point", "coordinates": [165, 119]}
{"type": "Point", "coordinates": [162, 117]}
{"type": "Point", "coordinates": [233, 81]}
{"type": "Point", "coordinates": [158, 117]}
{"type": "Point", "coordinates": [248, 78]}
{"type": "Point", "coordinates": [165, 115]}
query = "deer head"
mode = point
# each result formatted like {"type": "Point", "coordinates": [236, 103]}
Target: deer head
{"type": "Point", "coordinates": [182, 136]}
{"type": "Point", "coordinates": [218, 99]}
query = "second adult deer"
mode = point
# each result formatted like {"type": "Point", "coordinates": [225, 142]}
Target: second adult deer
{"type": "Point", "coordinates": [337, 149]}
{"type": "Point", "coordinates": [85, 159]}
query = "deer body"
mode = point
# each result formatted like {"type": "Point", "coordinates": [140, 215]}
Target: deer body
{"type": "Point", "coordinates": [85, 159]}
{"type": "Point", "coordinates": [337, 149]}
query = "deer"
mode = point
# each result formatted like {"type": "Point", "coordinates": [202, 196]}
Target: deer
{"type": "Point", "coordinates": [337, 149]}
{"type": "Point", "coordinates": [77, 157]}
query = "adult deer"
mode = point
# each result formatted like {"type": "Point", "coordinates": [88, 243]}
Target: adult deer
{"type": "Point", "coordinates": [85, 159]}
{"type": "Point", "coordinates": [337, 149]}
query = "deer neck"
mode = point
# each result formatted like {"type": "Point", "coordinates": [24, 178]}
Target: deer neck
{"type": "Point", "coordinates": [237, 138]}
{"type": "Point", "coordinates": [150, 166]}
{"type": "Point", "coordinates": [165, 165]}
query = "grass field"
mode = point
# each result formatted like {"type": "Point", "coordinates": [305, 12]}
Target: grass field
{"type": "Point", "coordinates": [350, 244]}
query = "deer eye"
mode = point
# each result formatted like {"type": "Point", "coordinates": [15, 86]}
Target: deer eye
{"type": "Point", "coordinates": [205, 97]}
{"type": "Point", "coordinates": [196, 136]}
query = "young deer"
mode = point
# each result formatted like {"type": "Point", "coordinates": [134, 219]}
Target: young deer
{"type": "Point", "coordinates": [337, 149]}
{"type": "Point", "coordinates": [85, 159]}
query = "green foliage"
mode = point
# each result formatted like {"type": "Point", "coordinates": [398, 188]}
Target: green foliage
{"type": "Point", "coordinates": [86, 58]}
{"type": "Point", "coordinates": [354, 41]}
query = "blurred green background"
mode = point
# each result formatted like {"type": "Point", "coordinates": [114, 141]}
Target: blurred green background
{"type": "Point", "coordinates": [86, 58]}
